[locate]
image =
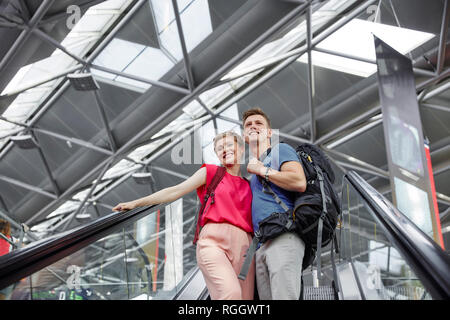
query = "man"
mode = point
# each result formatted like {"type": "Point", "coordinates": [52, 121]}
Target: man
{"type": "Point", "coordinates": [279, 260]}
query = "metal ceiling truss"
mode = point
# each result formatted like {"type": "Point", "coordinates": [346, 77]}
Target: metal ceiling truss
{"type": "Point", "coordinates": [443, 38]}
{"type": "Point", "coordinates": [186, 60]}
{"type": "Point", "coordinates": [25, 34]}
{"type": "Point", "coordinates": [193, 92]}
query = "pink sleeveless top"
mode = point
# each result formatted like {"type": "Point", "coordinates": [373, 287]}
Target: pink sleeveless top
{"type": "Point", "coordinates": [232, 201]}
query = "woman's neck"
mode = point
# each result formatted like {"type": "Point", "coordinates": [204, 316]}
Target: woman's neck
{"type": "Point", "coordinates": [234, 170]}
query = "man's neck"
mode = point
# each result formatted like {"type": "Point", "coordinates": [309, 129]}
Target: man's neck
{"type": "Point", "coordinates": [259, 148]}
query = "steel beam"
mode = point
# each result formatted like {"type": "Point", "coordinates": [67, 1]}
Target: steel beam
{"type": "Point", "coordinates": [312, 117]}
{"type": "Point", "coordinates": [25, 34]}
{"type": "Point", "coordinates": [63, 15]}
{"type": "Point", "coordinates": [115, 30]}
{"type": "Point", "coordinates": [430, 82]}
{"type": "Point", "coordinates": [361, 168]}
{"type": "Point", "coordinates": [204, 106]}
{"type": "Point", "coordinates": [443, 37]}
{"type": "Point", "coordinates": [25, 11]}
{"type": "Point", "coordinates": [436, 107]}
{"type": "Point", "coordinates": [18, 226]}
{"type": "Point", "coordinates": [57, 45]}
{"type": "Point", "coordinates": [357, 162]}
{"type": "Point", "coordinates": [355, 133]}
{"type": "Point", "coordinates": [46, 166]}
{"type": "Point", "coordinates": [14, 132]}
{"type": "Point", "coordinates": [186, 60]}
{"type": "Point", "coordinates": [94, 54]}
{"type": "Point", "coordinates": [156, 83]}
{"type": "Point", "coordinates": [91, 190]}
{"type": "Point", "coordinates": [28, 187]}
{"type": "Point", "coordinates": [374, 111]}
{"type": "Point", "coordinates": [76, 141]}
{"type": "Point", "coordinates": [43, 81]}
{"type": "Point", "coordinates": [444, 87]}
{"type": "Point", "coordinates": [13, 122]}
{"type": "Point", "coordinates": [170, 172]}
{"type": "Point", "coordinates": [101, 109]}
{"type": "Point", "coordinates": [85, 63]}
{"type": "Point", "coordinates": [417, 71]}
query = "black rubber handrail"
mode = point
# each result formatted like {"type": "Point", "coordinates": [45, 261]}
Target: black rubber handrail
{"type": "Point", "coordinates": [21, 263]}
{"type": "Point", "coordinates": [430, 263]}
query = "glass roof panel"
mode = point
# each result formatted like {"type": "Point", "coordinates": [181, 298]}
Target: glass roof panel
{"type": "Point", "coordinates": [151, 63]}
{"type": "Point", "coordinates": [195, 20]}
{"type": "Point", "coordinates": [163, 11]}
{"type": "Point", "coordinates": [356, 39]}
{"type": "Point", "coordinates": [117, 55]}
{"type": "Point", "coordinates": [78, 41]}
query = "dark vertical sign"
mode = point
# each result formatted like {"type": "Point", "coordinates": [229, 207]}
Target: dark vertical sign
{"type": "Point", "coordinates": [409, 174]}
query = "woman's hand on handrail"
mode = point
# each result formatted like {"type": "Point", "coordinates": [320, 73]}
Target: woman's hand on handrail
{"type": "Point", "coordinates": [125, 206]}
{"type": "Point", "coordinates": [168, 194]}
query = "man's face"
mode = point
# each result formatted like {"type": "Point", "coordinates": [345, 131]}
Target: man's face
{"type": "Point", "coordinates": [256, 129]}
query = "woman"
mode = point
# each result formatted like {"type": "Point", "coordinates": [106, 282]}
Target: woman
{"type": "Point", "coordinates": [226, 223]}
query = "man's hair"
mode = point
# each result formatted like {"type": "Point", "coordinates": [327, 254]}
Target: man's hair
{"type": "Point", "coordinates": [230, 133]}
{"type": "Point", "coordinates": [255, 111]}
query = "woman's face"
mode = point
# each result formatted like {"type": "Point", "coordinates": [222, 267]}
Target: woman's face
{"type": "Point", "coordinates": [228, 151]}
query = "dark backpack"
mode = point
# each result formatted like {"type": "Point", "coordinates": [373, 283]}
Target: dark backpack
{"type": "Point", "coordinates": [315, 213]}
{"type": "Point", "coordinates": [317, 210]}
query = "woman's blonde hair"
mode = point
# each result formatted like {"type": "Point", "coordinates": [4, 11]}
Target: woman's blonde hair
{"type": "Point", "coordinates": [229, 133]}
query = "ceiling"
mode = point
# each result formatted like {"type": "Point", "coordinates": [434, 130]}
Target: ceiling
{"type": "Point", "coordinates": [133, 50]}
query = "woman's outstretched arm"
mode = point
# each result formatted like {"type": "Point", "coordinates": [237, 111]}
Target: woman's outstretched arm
{"type": "Point", "coordinates": [168, 194]}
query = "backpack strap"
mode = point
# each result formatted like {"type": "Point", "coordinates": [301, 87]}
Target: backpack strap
{"type": "Point", "coordinates": [268, 189]}
{"type": "Point", "coordinates": [322, 216]}
{"type": "Point", "coordinates": [249, 256]}
{"type": "Point", "coordinates": [220, 173]}
{"type": "Point", "coordinates": [257, 236]}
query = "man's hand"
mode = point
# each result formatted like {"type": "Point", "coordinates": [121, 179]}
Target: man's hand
{"type": "Point", "coordinates": [256, 167]}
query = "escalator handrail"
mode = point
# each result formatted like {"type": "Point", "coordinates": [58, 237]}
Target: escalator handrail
{"type": "Point", "coordinates": [427, 259]}
{"type": "Point", "coordinates": [20, 263]}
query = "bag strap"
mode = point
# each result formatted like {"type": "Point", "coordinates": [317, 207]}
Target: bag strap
{"type": "Point", "coordinates": [333, 262]}
{"type": "Point", "coordinates": [220, 173]}
{"type": "Point", "coordinates": [249, 256]}
{"type": "Point", "coordinates": [268, 189]}
{"type": "Point", "coordinates": [322, 216]}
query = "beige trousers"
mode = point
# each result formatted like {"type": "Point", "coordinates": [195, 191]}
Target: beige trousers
{"type": "Point", "coordinates": [220, 254]}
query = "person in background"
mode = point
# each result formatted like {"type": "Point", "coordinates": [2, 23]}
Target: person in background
{"type": "Point", "coordinates": [5, 248]}
{"type": "Point", "coordinates": [5, 230]}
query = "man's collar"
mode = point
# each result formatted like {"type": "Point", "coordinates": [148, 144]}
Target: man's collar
{"type": "Point", "coordinates": [265, 154]}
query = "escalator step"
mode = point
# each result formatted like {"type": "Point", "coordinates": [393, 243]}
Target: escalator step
{"type": "Point", "coordinates": [319, 293]}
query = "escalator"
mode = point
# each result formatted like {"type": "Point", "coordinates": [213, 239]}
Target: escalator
{"type": "Point", "coordinates": [138, 255]}
{"type": "Point", "coordinates": [381, 254]}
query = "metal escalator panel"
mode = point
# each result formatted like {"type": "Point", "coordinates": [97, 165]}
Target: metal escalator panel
{"type": "Point", "coordinates": [391, 259]}
{"type": "Point", "coordinates": [151, 256]}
